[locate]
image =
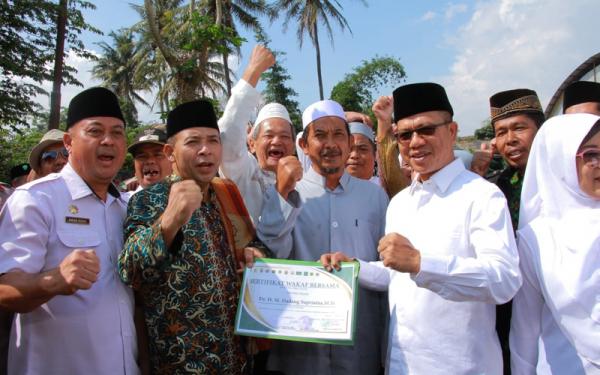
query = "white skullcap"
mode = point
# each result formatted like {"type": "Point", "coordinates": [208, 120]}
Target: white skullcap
{"type": "Point", "coordinates": [324, 108]}
{"type": "Point", "coordinates": [269, 111]}
{"type": "Point", "coordinates": [360, 128]}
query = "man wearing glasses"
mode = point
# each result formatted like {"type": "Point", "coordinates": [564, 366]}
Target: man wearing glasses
{"type": "Point", "coordinates": [449, 254]}
{"type": "Point", "coordinates": [49, 155]}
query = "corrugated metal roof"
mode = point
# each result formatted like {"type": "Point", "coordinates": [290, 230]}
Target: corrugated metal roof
{"type": "Point", "coordinates": [590, 64]}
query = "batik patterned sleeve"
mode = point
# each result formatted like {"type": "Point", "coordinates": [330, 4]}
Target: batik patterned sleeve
{"type": "Point", "coordinates": [144, 252]}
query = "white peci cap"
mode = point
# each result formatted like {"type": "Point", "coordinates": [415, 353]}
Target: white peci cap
{"type": "Point", "coordinates": [324, 108]}
{"type": "Point", "coordinates": [272, 110]}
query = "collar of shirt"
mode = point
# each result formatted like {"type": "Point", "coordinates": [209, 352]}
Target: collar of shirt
{"type": "Point", "coordinates": [312, 176]}
{"type": "Point", "coordinates": [441, 179]}
{"type": "Point", "coordinates": [79, 188]}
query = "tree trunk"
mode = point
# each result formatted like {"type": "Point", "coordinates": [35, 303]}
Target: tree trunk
{"type": "Point", "coordinates": [59, 52]}
{"type": "Point", "coordinates": [161, 104]}
{"type": "Point", "coordinates": [316, 40]}
{"type": "Point", "coordinates": [226, 69]}
{"type": "Point", "coordinates": [169, 57]}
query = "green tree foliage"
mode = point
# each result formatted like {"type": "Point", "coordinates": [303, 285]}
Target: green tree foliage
{"type": "Point", "coordinates": [116, 68]}
{"type": "Point", "coordinates": [486, 132]}
{"type": "Point", "coordinates": [355, 92]}
{"type": "Point", "coordinates": [276, 89]}
{"type": "Point", "coordinates": [27, 41]}
{"type": "Point", "coordinates": [15, 148]}
{"type": "Point", "coordinates": [308, 14]}
{"type": "Point", "coordinates": [188, 41]}
{"type": "Point", "coordinates": [230, 12]}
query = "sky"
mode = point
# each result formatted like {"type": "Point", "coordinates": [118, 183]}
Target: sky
{"type": "Point", "coordinates": [473, 48]}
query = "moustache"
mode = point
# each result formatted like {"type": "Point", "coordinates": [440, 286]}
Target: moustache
{"type": "Point", "coordinates": [330, 153]}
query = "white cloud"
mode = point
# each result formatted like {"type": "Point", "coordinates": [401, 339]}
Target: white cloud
{"type": "Point", "coordinates": [428, 16]}
{"type": "Point", "coordinates": [83, 75]}
{"type": "Point", "coordinates": [510, 44]}
{"type": "Point", "coordinates": [454, 9]}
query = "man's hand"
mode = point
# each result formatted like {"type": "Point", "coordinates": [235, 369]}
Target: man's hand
{"type": "Point", "coordinates": [383, 109]}
{"type": "Point", "coordinates": [333, 260]}
{"type": "Point", "coordinates": [132, 185]}
{"type": "Point", "coordinates": [482, 158]}
{"type": "Point", "coordinates": [289, 172]}
{"type": "Point", "coordinates": [250, 254]}
{"type": "Point", "coordinates": [185, 198]}
{"type": "Point", "coordinates": [260, 60]}
{"type": "Point", "coordinates": [358, 117]}
{"type": "Point", "coordinates": [398, 253]}
{"type": "Point", "coordinates": [79, 270]}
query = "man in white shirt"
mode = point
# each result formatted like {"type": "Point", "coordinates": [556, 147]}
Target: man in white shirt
{"type": "Point", "coordinates": [61, 237]}
{"type": "Point", "coordinates": [448, 256]}
{"type": "Point", "coordinates": [271, 137]}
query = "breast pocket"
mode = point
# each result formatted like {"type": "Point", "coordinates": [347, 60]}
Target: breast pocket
{"type": "Point", "coordinates": [67, 241]}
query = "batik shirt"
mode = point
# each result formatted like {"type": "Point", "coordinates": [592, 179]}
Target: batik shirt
{"type": "Point", "coordinates": [510, 182]}
{"type": "Point", "coordinates": [189, 291]}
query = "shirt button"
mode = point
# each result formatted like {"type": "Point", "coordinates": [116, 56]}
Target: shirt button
{"type": "Point", "coordinates": [334, 224]}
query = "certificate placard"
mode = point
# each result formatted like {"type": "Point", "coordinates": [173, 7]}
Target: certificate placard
{"type": "Point", "coordinates": [299, 301]}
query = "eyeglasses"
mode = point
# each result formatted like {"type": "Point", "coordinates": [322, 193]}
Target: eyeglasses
{"type": "Point", "coordinates": [590, 157]}
{"type": "Point", "coordinates": [53, 155]}
{"type": "Point", "coordinates": [424, 131]}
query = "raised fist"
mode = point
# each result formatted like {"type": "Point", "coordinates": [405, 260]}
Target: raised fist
{"type": "Point", "coordinates": [289, 172]}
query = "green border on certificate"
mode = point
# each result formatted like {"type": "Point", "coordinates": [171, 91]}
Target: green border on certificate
{"type": "Point", "coordinates": [298, 301]}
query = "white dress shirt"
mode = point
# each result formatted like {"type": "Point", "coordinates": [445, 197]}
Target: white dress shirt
{"type": "Point", "coordinates": [238, 164]}
{"type": "Point", "coordinates": [91, 331]}
{"type": "Point", "coordinates": [442, 319]}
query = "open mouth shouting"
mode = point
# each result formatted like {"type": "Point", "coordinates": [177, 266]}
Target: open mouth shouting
{"type": "Point", "coordinates": [150, 172]}
{"type": "Point", "coordinates": [106, 157]}
{"type": "Point", "coordinates": [275, 153]}
{"type": "Point", "coordinates": [205, 166]}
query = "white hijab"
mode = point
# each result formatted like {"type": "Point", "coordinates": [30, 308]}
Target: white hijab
{"type": "Point", "coordinates": [565, 223]}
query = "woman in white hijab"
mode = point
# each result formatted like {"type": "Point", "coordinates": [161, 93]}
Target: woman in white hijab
{"type": "Point", "coordinates": [556, 315]}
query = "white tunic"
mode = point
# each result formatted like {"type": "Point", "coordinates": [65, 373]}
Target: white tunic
{"type": "Point", "coordinates": [91, 331]}
{"type": "Point", "coordinates": [555, 326]}
{"type": "Point", "coordinates": [442, 319]}
{"type": "Point", "coordinates": [238, 164]}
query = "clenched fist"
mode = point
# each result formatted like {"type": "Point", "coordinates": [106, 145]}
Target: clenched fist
{"type": "Point", "coordinates": [260, 60]}
{"type": "Point", "coordinates": [185, 197]}
{"type": "Point", "coordinates": [79, 270]}
{"type": "Point", "coordinates": [398, 253]}
{"type": "Point", "coordinates": [482, 158]}
{"type": "Point", "coordinates": [289, 172]}
{"type": "Point", "coordinates": [383, 109]}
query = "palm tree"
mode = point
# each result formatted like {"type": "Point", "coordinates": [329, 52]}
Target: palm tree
{"type": "Point", "coordinates": [308, 14]}
{"type": "Point", "coordinates": [178, 37]}
{"type": "Point", "coordinates": [116, 68]}
{"type": "Point", "coordinates": [227, 12]}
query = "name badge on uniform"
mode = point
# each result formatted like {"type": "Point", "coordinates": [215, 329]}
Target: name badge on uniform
{"type": "Point", "coordinates": [77, 220]}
